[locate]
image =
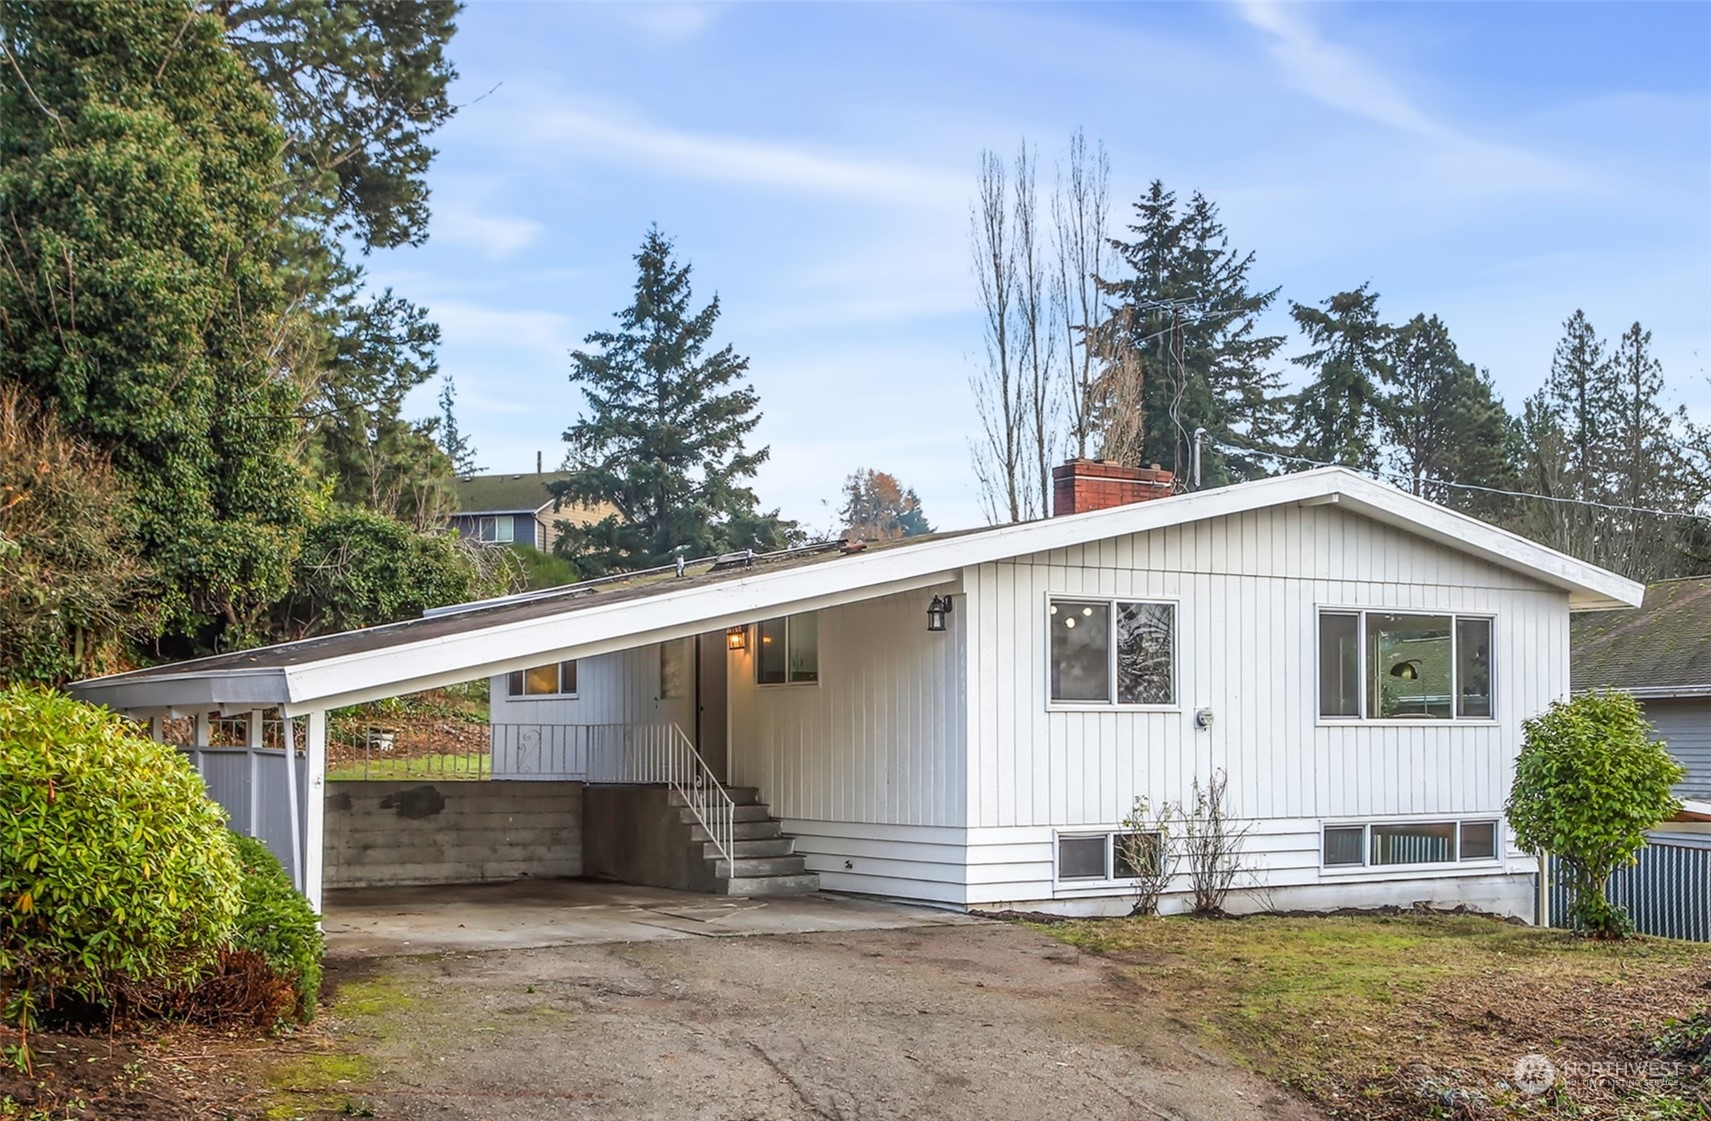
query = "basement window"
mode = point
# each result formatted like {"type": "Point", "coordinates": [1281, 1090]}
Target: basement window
{"type": "Point", "coordinates": [788, 650]}
{"type": "Point", "coordinates": [1112, 652]}
{"type": "Point", "coordinates": [1381, 844]}
{"type": "Point", "coordinates": [555, 679]}
{"type": "Point", "coordinates": [1102, 857]}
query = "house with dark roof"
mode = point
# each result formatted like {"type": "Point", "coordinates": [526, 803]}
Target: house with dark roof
{"type": "Point", "coordinates": [1661, 654]}
{"type": "Point", "coordinates": [505, 508]}
{"type": "Point", "coordinates": [967, 719]}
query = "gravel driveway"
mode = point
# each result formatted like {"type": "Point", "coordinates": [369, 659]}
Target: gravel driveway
{"type": "Point", "coordinates": [987, 1021]}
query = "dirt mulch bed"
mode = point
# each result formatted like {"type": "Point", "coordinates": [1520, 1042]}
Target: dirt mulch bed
{"type": "Point", "coordinates": [160, 1073]}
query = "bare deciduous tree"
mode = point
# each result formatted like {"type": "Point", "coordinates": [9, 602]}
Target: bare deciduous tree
{"type": "Point", "coordinates": [1035, 311]}
{"type": "Point", "coordinates": [1081, 212]}
{"type": "Point", "coordinates": [1002, 465]}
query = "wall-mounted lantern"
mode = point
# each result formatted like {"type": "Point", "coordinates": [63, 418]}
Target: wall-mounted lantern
{"type": "Point", "coordinates": [736, 638]}
{"type": "Point", "coordinates": [937, 611]}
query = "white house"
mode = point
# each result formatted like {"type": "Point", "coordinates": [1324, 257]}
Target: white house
{"type": "Point", "coordinates": [1357, 661]}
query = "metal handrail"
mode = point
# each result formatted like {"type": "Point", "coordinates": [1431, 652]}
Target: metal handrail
{"type": "Point", "coordinates": [662, 753]}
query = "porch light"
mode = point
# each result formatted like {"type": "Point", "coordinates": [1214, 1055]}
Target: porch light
{"type": "Point", "coordinates": [736, 638]}
{"type": "Point", "coordinates": [936, 612]}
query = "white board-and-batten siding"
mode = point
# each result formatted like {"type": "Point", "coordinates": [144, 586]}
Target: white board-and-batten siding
{"type": "Point", "coordinates": [866, 767]}
{"type": "Point", "coordinates": [1247, 589]}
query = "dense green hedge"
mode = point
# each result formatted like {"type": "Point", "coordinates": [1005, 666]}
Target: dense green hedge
{"type": "Point", "coordinates": [115, 871]}
{"type": "Point", "coordinates": [277, 923]}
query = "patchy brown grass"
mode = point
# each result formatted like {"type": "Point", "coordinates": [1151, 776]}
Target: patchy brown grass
{"type": "Point", "coordinates": [1417, 1016]}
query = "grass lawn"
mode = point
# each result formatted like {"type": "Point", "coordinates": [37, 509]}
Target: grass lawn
{"type": "Point", "coordinates": [442, 766]}
{"type": "Point", "coordinates": [1425, 1015]}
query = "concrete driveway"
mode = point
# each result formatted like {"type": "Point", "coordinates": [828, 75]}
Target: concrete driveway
{"type": "Point", "coordinates": [532, 913]}
{"type": "Point", "coordinates": [891, 1013]}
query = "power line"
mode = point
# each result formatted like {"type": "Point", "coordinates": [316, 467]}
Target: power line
{"type": "Point", "coordinates": [1609, 506]}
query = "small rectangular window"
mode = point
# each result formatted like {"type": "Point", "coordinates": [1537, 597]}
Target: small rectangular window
{"type": "Point", "coordinates": [1473, 668]}
{"type": "Point", "coordinates": [1339, 664]}
{"type": "Point", "coordinates": [1081, 858]}
{"type": "Point", "coordinates": [788, 650]}
{"type": "Point", "coordinates": [1478, 840]}
{"type": "Point", "coordinates": [500, 529]}
{"type": "Point", "coordinates": [552, 679]}
{"type": "Point", "coordinates": [1414, 843]}
{"type": "Point", "coordinates": [1345, 844]}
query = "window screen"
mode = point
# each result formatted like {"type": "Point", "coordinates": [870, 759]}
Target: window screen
{"type": "Point", "coordinates": [1473, 668]}
{"type": "Point", "coordinates": [1478, 840]}
{"type": "Point", "coordinates": [1081, 858]}
{"type": "Point", "coordinates": [1080, 650]}
{"type": "Point", "coordinates": [1339, 664]}
{"type": "Point", "coordinates": [1344, 844]}
{"type": "Point", "coordinates": [1134, 853]}
{"type": "Point", "coordinates": [1146, 639]}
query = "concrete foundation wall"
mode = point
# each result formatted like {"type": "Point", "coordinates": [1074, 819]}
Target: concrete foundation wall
{"type": "Point", "coordinates": [635, 836]}
{"type": "Point", "coordinates": [397, 833]}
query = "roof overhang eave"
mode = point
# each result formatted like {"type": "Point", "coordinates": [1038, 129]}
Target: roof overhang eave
{"type": "Point", "coordinates": [232, 690]}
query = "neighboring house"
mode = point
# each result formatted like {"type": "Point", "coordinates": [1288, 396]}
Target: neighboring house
{"type": "Point", "coordinates": [966, 719]}
{"type": "Point", "coordinates": [1661, 654]}
{"type": "Point", "coordinates": [516, 508]}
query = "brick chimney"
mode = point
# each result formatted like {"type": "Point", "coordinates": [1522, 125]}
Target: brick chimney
{"type": "Point", "coordinates": [1087, 484]}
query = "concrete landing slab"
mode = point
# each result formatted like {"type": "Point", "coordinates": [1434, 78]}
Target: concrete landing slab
{"type": "Point", "coordinates": [374, 922]}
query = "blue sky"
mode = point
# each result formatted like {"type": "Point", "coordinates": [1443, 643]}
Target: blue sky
{"type": "Point", "coordinates": [1497, 164]}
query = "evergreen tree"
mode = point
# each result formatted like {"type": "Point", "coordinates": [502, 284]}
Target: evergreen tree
{"type": "Point", "coordinates": [1335, 418]}
{"type": "Point", "coordinates": [663, 437]}
{"type": "Point", "coordinates": [1184, 328]}
{"type": "Point", "coordinates": [878, 508]}
{"type": "Point", "coordinates": [361, 442]}
{"type": "Point", "coordinates": [139, 293]}
{"type": "Point", "coordinates": [1598, 432]}
{"type": "Point", "coordinates": [1444, 422]}
{"type": "Point", "coordinates": [452, 440]}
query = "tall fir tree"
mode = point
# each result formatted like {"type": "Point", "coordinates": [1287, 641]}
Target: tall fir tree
{"type": "Point", "coordinates": [453, 442]}
{"type": "Point", "coordinates": [663, 438]}
{"type": "Point", "coordinates": [140, 174]}
{"type": "Point", "coordinates": [1599, 432]}
{"type": "Point", "coordinates": [1335, 418]}
{"type": "Point", "coordinates": [1185, 327]}
{"type": "Point", "coordinates": [1444, 422]}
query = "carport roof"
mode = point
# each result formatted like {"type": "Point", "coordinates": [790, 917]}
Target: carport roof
{"type": "Point", "coordinates": [481, 639]}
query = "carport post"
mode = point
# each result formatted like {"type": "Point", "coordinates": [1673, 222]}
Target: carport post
{"type": "Point", "coordinates": [315, 811]}
{"type": "Point", "coordinates": [297, 879]}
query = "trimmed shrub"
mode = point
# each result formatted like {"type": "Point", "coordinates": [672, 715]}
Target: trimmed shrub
{"type": "Point", "coordinates": [277, 926]}
{"type": "Point", "coordinates": [1589, 783]}
{"type": "Point", "coordinates": [115, 870]}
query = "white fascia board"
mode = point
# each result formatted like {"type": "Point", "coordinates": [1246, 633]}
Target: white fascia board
{"type": "Point", "coordinates": [240, 689]}
{"type": "Point", "coordinates": [591, 630]}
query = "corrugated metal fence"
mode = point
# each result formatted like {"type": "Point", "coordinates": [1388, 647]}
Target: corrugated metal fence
{"type": "Point", "coordinates": [1667, 894]}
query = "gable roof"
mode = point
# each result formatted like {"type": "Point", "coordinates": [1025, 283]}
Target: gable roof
{"type": "Point", "coordinates": [497, 636]}
{"type": "Point", "coordinates": [506, 494]}
{"type": "Point", "coordinates": [1661, 650]}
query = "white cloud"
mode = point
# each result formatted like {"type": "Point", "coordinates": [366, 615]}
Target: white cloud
{"type": "Point", "coordinates": [494, 236]}
{"type": "Point", "coordinates": [742, 160]}
{"type": "Point", "coordinates": [544, 332]}
{"type": "Point", "coordinates": [670, 22]}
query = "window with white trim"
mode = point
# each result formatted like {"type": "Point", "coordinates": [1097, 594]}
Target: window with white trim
{"type": "Point", "coordinates": [501, 529]}
{"type": "Point", "coordinates": [1377, 844]}
{"type": "Point", "coordinates": [1104, 857]}
{"type": "Point", "coordinates": [1391, 665]}
{"type": "Point", "coordinates": [1112, 652]}
{"type": "Point", "coordinates": [787, 650]}
{"type": "Point", "coordinates": [555, 679]}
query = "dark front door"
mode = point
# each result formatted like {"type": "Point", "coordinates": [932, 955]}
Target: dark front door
{"type": "Point", "coordinates": [712, 713]}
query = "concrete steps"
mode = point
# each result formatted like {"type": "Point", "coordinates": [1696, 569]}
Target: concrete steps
{"type": "Point", "coordinates": [766, 859]}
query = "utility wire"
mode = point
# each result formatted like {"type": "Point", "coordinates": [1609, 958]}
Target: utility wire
{"type": "Point", "coordinates": [1609, 506]}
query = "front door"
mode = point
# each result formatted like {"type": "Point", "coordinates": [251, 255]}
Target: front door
{"type": "Point", "coordinates": [712, 713]}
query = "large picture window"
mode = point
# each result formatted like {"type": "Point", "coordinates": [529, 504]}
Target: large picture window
{"type": "Point", "coordinates": [1112, 652]}
{"type": "Point", "coordinates": [788, 650]}
{"type": "Point", "coordinates": [1386, 665]}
